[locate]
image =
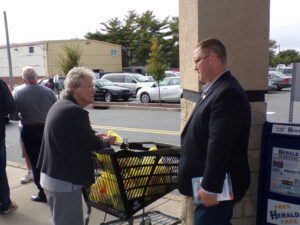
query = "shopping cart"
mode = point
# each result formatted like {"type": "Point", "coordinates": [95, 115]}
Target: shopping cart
{"type": "Point", "coordinates": [127, 181]}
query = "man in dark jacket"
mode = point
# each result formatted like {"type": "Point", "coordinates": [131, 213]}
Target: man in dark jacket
{"type": "Point", "coordinates": [7, 106]}
{"type": "Point", "coordinates": [65, 159]}
{"type": "Point", "coordinates": [215, 139]}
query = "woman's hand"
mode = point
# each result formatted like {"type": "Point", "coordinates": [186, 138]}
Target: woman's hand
{"type": "Point", "coordinates": [111, 139]}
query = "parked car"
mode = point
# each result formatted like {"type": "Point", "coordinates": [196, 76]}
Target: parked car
{"type": "Point", "coordinates": [133, 81]}
{"type": "Point", "coordinates": [286, 71]}
{"type": "Point", "coordinates": [280, 80]}
{"type": "Point", "coordinates": [271, 86]}
{"type": "Point", "coordinates": [170, 91]}
{"type": "Point", "coordinates": [107, 90]}
{"type": "Point", "coordinates": [49, 83]}
{"type": "Point", "coordinates": [171, 74]}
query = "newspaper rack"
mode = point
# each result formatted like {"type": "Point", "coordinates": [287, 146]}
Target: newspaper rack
{"type": "Point", "coordinates": [127, 181]}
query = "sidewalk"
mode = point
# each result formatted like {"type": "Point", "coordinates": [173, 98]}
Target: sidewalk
{"type": "Point", "coordinates": [32, 213]}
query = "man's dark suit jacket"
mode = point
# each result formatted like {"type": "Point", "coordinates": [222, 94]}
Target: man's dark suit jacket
{"type": "Point", "coordinates": [215, 139]}
{"type": "Point", "coordinates": [67, 142]}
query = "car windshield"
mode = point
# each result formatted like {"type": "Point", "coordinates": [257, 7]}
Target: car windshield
{"type": "Point", "coordinates": [287, 70]}
{"type": "Point", "coordinates": [104, 82]}
{"type": "Point", "coordinates": [164, 82]}
{"type": "Point", "coordinates": [141, 78]}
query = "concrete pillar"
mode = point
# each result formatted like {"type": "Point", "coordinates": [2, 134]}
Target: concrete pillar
{"type": "Point", "coordinates": [243, 27]}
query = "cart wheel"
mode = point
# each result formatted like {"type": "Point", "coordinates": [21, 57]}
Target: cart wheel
{"type": "Point", "coordinates": [147, 221]}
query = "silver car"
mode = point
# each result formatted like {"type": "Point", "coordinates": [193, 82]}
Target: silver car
{"type": "Point", "coordinates": [280, 80]}
{"type": "Point", "coordinates": [133, 81]}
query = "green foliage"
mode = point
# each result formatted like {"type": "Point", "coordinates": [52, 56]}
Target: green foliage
{"type": "Point", "coordinates": [284, 57]}
{"type": "Point", "coordinates": [156, 67]}
{"type": "Point", "coordinates": [272, 47]}
{"type": "Point", "coordinates": [135, 33]}
{"type": "Point", "coordinates": [71, 58]}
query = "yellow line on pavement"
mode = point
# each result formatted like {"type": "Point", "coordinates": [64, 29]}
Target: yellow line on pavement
{"type": "Point", "coordinates": [168, 132]}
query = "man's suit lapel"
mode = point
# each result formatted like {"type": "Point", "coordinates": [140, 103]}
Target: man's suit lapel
{"type": "Point", "coordinates": [205, 97]}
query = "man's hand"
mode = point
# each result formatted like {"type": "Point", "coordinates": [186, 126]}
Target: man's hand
{"type": "Point", "coordinates": [207, 200]}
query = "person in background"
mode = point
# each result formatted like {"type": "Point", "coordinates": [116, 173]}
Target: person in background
{"type": "Point", "coordinates": [32, 105]}
{"type": "Point", "coordinates": [214, 141]}
{"type": "Point", "coordinates": [65, 159]}
{"type": "Point", "coordinates": [28, 177]}
{"type": "Point", "coordinates": [7, 106]}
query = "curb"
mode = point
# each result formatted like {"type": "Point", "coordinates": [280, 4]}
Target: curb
{"type": "Point", "coordinates": [136, 106]}
{"type": "Point", "coordinates": [16, 165]}
{"type": "Point", "coordinates": [178, 198]}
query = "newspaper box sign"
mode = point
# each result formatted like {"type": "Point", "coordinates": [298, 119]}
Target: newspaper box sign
{"type": "Point", "coordinates": [279, 182]}
{"type": "Point", "coordinates": [283, 213]}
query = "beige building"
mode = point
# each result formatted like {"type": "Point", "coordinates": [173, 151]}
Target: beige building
{"type": "Point", "coordinates": [44, 55]}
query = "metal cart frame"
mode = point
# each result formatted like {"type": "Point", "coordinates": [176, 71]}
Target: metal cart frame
{"type": "Point", "coordinates": [129, 180]}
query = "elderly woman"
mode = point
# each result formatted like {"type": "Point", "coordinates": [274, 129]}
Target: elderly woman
{"type": "Point", "coordinates": [68, 139]}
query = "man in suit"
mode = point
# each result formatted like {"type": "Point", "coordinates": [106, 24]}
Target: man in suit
{"type": "Point", "coordinates": [215, 139]}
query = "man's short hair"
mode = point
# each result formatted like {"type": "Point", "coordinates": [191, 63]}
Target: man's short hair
{"type": "Point", "coordinates": [29, 74]}
{"type": "Point", "coordinates": [213, 45]}
{"type": "Point", "coordinates": [75, 78]}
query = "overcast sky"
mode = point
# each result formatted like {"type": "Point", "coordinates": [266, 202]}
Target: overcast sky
{"type": "Point", "coordinates": [36, 20]}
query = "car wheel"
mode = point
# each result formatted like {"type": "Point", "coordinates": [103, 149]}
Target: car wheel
{"type": "Point", "coordinates": [145, 98]}
{"type": "Point", "coordinates": [277, 87]}
{"type": "Point", "coordinates": [108, 97]}
{"type": "Point", "coordinates": [125, 98]}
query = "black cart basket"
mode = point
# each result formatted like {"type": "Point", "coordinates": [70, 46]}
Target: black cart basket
{"type": "Point", "coordinates": [126, 181]}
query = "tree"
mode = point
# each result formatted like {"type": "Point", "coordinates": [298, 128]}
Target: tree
{"type": "Point", "coordinates": [171, 43]}
{"type": "Point", "coordinates": [288, 56]}
{"type": "Point", "coordinates": [135, 33]}
{"type": "Point", "coordinates": [117, 32]}
{"type": "Point", "coordinates": [71, 58]}
{"type": "Point", "coordinates": [149, 27]}
{"type": "Point", "coordinates": [284, 57]}
{"type": "Point", "coordinates": [273, 60]}
{"type": "Point", "coordinates": [156, 67]}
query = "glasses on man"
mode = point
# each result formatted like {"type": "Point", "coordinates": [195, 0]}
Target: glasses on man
{"type": "Point", "coordinates": [201, 58]}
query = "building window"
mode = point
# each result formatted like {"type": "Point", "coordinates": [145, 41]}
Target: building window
{"type": "Point", "coordinates": [31, 49]}
{"type": "Point", "coordinates": [113, 52]}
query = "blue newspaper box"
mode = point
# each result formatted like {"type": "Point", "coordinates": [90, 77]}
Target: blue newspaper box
{"type": "Point", "coordinates": [279, 181]}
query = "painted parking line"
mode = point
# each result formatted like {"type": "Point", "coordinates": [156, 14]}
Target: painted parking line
{"type": "Point", "coordinates": [270, 113]}
{"type": "Point", "coordinates": [167, 132]}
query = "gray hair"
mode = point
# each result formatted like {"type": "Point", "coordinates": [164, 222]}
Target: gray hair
{"type": "Point", "coordinates": [75, 78]}
{"type": "Point", "coordinates": [29, 74]}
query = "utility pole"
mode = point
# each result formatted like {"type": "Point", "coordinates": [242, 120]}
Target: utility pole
{"type": "Point", "coordinates": [11, 82]}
